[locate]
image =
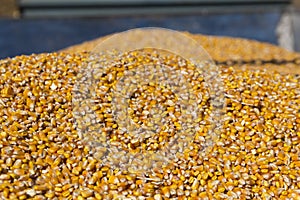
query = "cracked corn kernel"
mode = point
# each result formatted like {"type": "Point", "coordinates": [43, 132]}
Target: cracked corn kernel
{"type": "Point", "coordinates": [257, 154]}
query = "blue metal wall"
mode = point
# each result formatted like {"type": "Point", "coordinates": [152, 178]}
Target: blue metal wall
{"type": "Point", "coordinates": [28, 36]}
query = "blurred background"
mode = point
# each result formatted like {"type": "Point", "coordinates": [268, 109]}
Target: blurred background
{"type": "Point", "coordinates": [35, 26]}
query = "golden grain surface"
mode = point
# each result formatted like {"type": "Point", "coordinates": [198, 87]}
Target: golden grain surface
{"type": "Point", "coordinates": [256, 156]}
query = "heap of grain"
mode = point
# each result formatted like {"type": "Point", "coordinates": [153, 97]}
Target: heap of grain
{"type": "Point", "coordinates": [256, 156]}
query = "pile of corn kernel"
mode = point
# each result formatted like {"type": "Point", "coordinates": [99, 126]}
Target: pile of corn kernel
{"type": "Point", "coordinates": [256, 156]}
